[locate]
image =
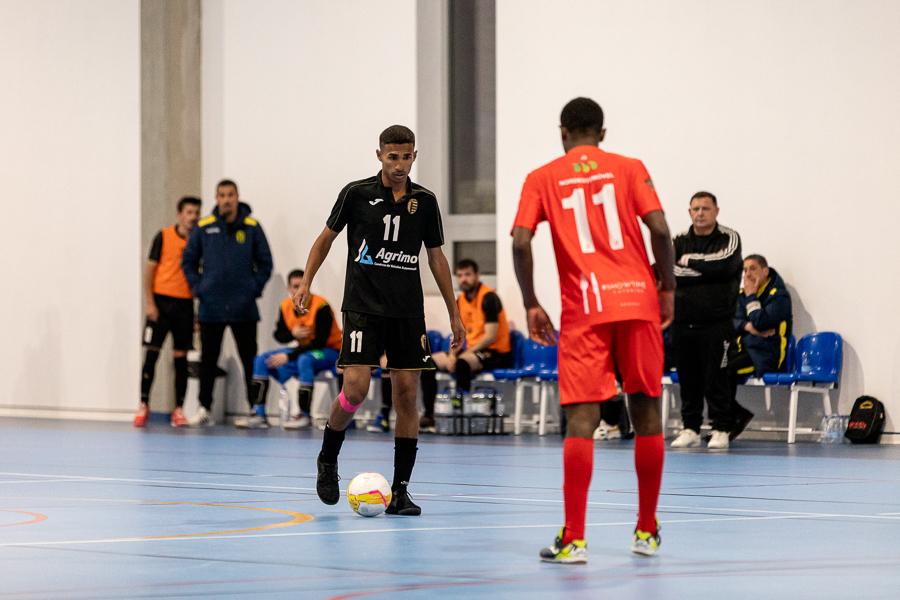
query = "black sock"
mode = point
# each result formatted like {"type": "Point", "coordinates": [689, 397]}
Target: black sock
{"type": "Point", "coordinates": [404, 461]}
{"type": "Point", "coordinates": [429, 391]}
{"type": "Point", "coordinates": [331, 444]}
{"type": "Point", "coordinates": [387, 397]}
{"type": "Point", "coordinates": [304, 399]}
{"type": "Point", "coordinates": [181, 377]}
{"type": "Point", "coordinates": [150, 358]}
{"type": "Point", "coordinates": [259, 390]}
{"type": "Point", "coordinates": [463, 376]}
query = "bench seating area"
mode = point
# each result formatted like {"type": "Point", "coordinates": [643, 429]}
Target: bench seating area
{"type": "Point", "coordinates": [813, 367]}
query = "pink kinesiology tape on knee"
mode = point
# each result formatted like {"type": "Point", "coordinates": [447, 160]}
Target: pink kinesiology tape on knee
{"type": "Point", "coordinates": [346, 405]}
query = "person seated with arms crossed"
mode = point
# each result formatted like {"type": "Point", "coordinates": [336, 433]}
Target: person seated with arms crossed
{"type": "Point", "coordinates": [487, 339]}
{"type": "Point", "coordinates": [763, 320]}
{"type": "Point", "coordinates": [315, 339]}
{"type": "Point", "coordinates": [169, 308]}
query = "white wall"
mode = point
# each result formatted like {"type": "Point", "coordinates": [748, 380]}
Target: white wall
{"type": "Point", "coordinates": [70, 166]}
{"type": "Point", "coordinates": [786, 110]}
{"type": "Point", "coordinates": [294, 97]}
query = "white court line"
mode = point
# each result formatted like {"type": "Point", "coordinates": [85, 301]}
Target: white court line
{"type": "Point", "coordinates": [64, 478]}
{"type": "Point", "coordinates": [57, 480]}
{"type": "Point", "coordinates": [673, 507]}
{"type": "Point", "coordinates": [388, 530]}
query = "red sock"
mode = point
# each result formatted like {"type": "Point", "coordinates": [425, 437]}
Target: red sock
{"type": "Point", "coordinates": [648, 464]}
{"type": "Point", "coordinates": [578, 464]}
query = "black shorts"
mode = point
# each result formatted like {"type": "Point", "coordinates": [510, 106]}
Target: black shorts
{"type": "Point", "coordinates": [367, 337]}
{"type": "Point", "coordinates": [491, 360]}
{"type": "Point", "coordinates": [176, 315]}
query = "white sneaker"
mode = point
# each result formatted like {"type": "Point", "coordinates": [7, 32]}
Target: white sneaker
{"type": "Point", "coordinates": [201, 418]}
{"type": "Point", "coordinates": [688, 438]}
{"type": "Point", "coordinates": [299, 422]}
{"type": "Point", "coordinates": [254, 421]}
{"type": "Point", "coordinates": [719, 440]}
{"type": "Point", "coordinates": [607, 432]}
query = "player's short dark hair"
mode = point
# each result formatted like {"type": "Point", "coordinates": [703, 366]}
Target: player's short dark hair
{"type": "Point", "coordinates": [760, 260]}
{"type": "Point", "coordinates": [466, 263]}
{"type": "Point", "coordinates": [703, 194]}
{"type": "Point", "coordinates": [227, 182]}
{"type": "Point", "coordinates": [189, 200]}
{"type": "Point", "coordinates": [295, 273]}
{"type": "Point", "coordinates": [582, 115]}
{"type": "Point", "coordinates": [397, 134]}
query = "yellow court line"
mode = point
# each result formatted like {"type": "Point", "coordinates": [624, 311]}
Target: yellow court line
{"type": "Point", "coordinates": [36, 517]}
{"type": "Point", "coordinates": [296, 519]}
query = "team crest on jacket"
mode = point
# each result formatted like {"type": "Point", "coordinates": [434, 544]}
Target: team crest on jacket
{"type": "Point", "coordinates": [424, 342]}
{"type": "Point", "coordinates": [412, 206]}
{"type": "Point", "coordinates": [240, 236]}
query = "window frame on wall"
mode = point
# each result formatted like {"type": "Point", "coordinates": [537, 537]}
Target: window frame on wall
{"type": "Point", "coordinates": [434, 166]}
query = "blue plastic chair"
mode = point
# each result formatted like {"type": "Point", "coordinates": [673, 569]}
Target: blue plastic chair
{"type": "Point", "coordinates": [788, 375]}
{"type": "Point", "coordinates": [817, 370]}
{"type": "Point", "coordinates": [529, 357]}
{"type": "Point", "coordinates": [535, 366]}
{"type": "Point", "coordinates": [538, 357]}
{"type": "Point", "coordinates": [819, 357]}
{"type": "Point", "coordinates": [517, 347]}
{"type": "Point", "coordinates": [436, 341]}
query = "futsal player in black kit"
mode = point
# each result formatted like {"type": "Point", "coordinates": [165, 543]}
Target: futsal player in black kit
{"type": "Point", "coordinates": [388, 219]}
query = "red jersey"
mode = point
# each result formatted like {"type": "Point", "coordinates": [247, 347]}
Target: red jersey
{"type": "Point", "coordinates": [592, 200]}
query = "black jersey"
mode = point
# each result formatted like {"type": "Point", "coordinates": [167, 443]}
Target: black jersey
{"type": "Point", "coordinates": [384, 239]}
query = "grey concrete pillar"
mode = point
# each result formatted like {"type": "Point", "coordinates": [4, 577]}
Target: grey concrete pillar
{"type": "Point", "coordinates": [170, 132]}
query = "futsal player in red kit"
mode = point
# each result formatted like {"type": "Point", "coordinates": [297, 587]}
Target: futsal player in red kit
{"type": "Point", "coordinates": [613, 309]}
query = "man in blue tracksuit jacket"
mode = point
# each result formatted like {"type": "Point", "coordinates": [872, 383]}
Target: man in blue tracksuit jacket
{"type": "Point", "coordinates": [763, 321]}
{"type": "Point", "coordinates": [227, 263]}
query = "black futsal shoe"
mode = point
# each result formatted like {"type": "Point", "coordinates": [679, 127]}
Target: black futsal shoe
{"type": "Point", "coordinates": [741, 424]}
{"type": "Point", "coordinates": [327, 482]}
{"type": "Point", "coordinates": [401, 504]}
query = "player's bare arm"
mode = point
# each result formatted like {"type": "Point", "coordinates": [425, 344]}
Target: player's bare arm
{"type": "Point", "coordinates": [540, 328]}
{"type": "Point", "coordinates": [320, 249]}
{"type": "Point", "coordinates": [489, 337]}
{"type": "Point", "coordinates": [664, 255]}
{"type": "Point", "coordinates": [150, 303]}
{"type": "Point", "coordinates": [437, 262]}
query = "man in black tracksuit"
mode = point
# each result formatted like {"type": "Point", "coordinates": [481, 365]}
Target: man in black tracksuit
{"type": "Point", "coordinates": [708, 273]}
{"type": "Point", "coordinates": [227, 263]}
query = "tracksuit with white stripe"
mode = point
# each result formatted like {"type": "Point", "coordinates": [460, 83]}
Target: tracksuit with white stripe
{"type": "Point", "coordinates": [703, 330]}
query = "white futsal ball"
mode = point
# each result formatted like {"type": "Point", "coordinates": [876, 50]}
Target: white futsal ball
{"type": "Point", "coordinates": [369, 494]}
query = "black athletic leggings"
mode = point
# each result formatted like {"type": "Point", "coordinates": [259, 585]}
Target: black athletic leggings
{"type": "Point", "coordinates": [211, 346]}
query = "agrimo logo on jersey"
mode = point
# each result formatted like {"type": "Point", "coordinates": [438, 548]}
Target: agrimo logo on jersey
{"type": "Point", "coordinates": [384, 258]}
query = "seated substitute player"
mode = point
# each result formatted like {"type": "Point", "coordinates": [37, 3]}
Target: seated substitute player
{"type": "Point", "coordinates": [316, 339]}
{"type": "Point", "coordinates": [487, 338]}
{"type": "Point", "coordinates": [388, 219]}
{"type": "Point", "coordinates": [169, 308]}
{"type": "Point", "coordinates": [612, 319]}
{"type": "Point", "coordinates": [763, 320]}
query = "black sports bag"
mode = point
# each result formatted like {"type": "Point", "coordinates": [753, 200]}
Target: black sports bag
{"type": "Point", "coordinates": [866, 421]}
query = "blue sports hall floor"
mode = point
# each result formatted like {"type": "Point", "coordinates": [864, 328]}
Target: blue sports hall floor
{"type": "Point", "coordinates": [100, 510]}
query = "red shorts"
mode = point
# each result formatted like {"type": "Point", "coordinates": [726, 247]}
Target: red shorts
{"type": "Point", "coordinates": [590, 356]}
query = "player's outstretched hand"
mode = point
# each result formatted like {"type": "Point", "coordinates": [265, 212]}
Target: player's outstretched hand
{"type": "Point", "coordinates": [458, 331]}
{"type": "Point", "coordinates": [301, 298]}
{"type": "Point", "coordinates": [666, 307]}
{"type": "Point", "coordinates": [540, 328]}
